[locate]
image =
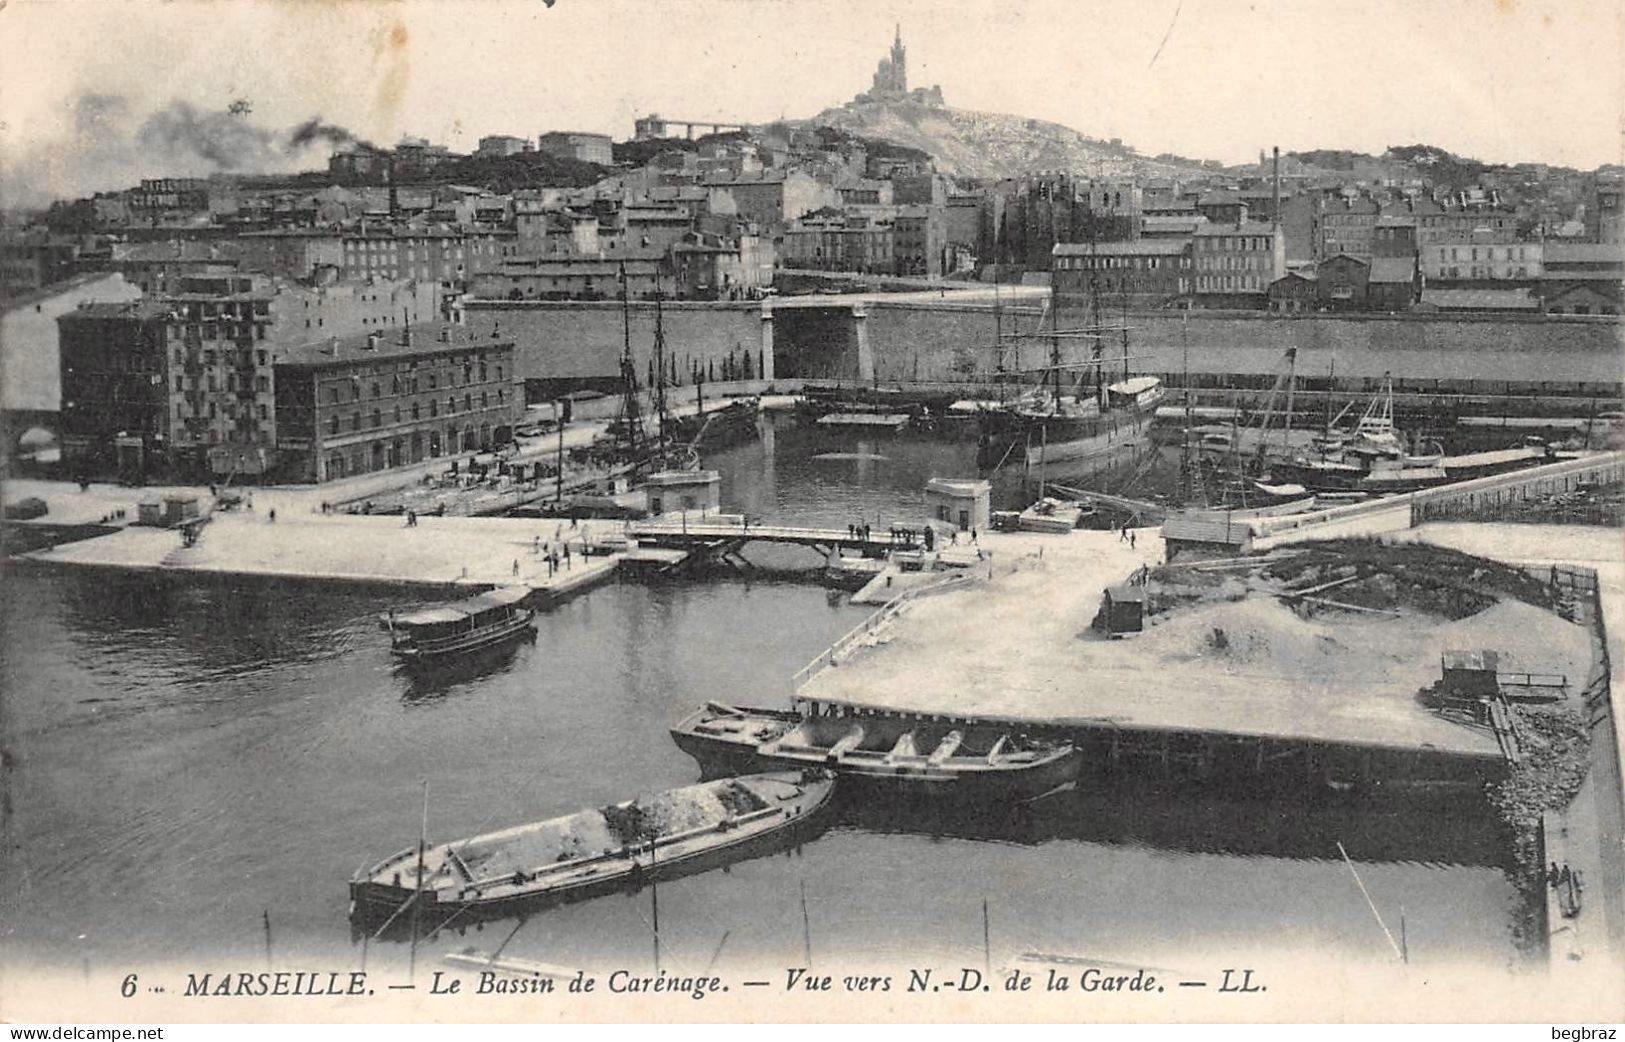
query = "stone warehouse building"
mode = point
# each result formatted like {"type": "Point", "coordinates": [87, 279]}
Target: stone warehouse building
{"type": "Point", "coordinates": [359, 404]}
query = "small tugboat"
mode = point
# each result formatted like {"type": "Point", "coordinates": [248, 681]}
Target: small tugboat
{"type": "Point", "coordinates": [904, 756]}
{"type": "Point", "coordinates": [438, 634]}
{"type": "Point", "coordinates": [594, 852]}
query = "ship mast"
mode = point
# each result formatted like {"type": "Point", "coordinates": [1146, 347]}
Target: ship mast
{"type": "Point", "coordinates": [631, 416]}
{"type": "Point", "coordinates": [660, 364]}
{"type": "Point", "coordinates": [1095, 322]}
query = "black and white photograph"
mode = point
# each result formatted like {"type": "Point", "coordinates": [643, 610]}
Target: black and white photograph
{"type": "Point", "coordinates": [812, 512]}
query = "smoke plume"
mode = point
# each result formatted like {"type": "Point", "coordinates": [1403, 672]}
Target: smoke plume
{"type": "Point", "coordinates": [109, 147]}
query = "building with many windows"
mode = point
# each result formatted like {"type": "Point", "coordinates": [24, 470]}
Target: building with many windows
{"type": "Point", "coordinates": [359, 404]}
{"type": "Point", "coordinates": [202, 403]}
{"type": "Point", "coordinates": [1147, 273]}
{"type": "Point", "coordinates": [1485, 258]}
{"type": "Point", "coordinates": [1234, 264]}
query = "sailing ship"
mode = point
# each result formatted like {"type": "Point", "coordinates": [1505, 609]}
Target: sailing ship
{"type": "Point", "coordinates": [1371, 456]}
{"type": "Point", "coordinates": [630, 449]}
{"type": "Point", "coordinates": [1052, 423]}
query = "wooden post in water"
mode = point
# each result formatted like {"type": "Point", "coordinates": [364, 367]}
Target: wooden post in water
{"type": "Point", "coordinates": [417, 888]}
{"type": "Point", "coordinates": [267, 917]}
{"type": "Point", "coordinates": [654, 903]}
{"type": "Point", "coordinates": [987, 948]}
{"type": "Point", "coordinates": [806, 925]}
{"type": "Point", "coordinates": [1370, 903]}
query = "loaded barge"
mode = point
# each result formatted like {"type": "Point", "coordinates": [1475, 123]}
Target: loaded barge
{"type": "Point", "coordinates": [593, 852]}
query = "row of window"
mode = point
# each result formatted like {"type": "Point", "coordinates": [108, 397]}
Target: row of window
{"type": "Point", "coordinates": [262, 384]}
{"type": "Point", "coordinates": [1215, 243]}
{"type": "Point", "coordinates": [230, 411]}
{"type": "Point", "coordinates": [1476, 272]}
{"type": "Point", "coordinates": [335, 423]}
{"type": "Point", "coordinates": [220, 331]}
{"type": "Point", "coordinates": [1228, 283]}
{"type": "Point", "coordinates": [210, 358]}
{"type": "Point", "coordinates": [195, 311]}
{"type": "Point", "coordinates": [380, 455]}
{"type": "Point", "coordinates": [409, 384]}
{"type": "Point", "coordinates": [1109, 263]}
{"type": "Point", "coordinates": [1236, 264]}
{"type": "Point", "coordinates": [1489, 252]}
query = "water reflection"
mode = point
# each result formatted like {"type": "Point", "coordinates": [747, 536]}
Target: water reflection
{"type": "Point", "coordinates": [429, 681]}
{"type": "Point", "coordinates": [1209, 820]}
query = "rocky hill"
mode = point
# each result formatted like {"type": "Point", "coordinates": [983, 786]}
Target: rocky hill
{"type": "Point", "coordinates": [994, 145]}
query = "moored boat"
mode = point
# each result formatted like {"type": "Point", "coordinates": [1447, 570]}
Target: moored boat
{"type": "Point", "coordinates": [1053, 515]}
{"type": "Point", "coordinates": [594, 852]}
{"type": "Point", "coordinates": [450, 630]}
{"type": "Point", "coordinates": [852, 573]}
{"type": "Point", "coordinates": [903, 756]}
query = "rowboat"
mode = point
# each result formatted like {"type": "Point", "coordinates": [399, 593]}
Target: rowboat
{"type": "Point", "coordinates": [594, 852]}
{"type": "Point", "coordinates": [908, 757]}
{"type": "Point", "coordinates": [448, 630]}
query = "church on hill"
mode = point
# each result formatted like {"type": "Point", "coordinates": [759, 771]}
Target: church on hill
{"type": "Point", "coordinates": [891, 80]}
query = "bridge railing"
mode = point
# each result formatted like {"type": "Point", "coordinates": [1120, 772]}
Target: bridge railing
{"type": "Point", "coordinates": [949, 581]}
{"type": "Point", "coordinates": [856, 635]}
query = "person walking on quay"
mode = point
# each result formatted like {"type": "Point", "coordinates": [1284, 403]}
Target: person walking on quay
{"type": "Point", "coordinates": [271, 517]}
{"type": "Point", "coordinates": [536, 545]}
{"type": "Point", "coordinates": [1131, 540]}
{"type": "Point", "coordinates": [1122, 533]}
{"type": "Point", "coordinates": [973, 535]}
{"type": "Point", "coordinates": [567, 555]}
{"type": "Point", "coordinates": [516, 566]}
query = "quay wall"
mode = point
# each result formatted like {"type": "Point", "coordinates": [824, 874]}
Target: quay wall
{"type": "Point", "coordinates": [924, 342]}
{"type": "Point", "coordinates": [943, 341]}
{"type": "Point", "coordinates": [576, 340]}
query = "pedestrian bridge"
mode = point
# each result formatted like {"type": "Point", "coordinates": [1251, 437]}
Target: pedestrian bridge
{"type": "Point", "coordinates": [727, 534]}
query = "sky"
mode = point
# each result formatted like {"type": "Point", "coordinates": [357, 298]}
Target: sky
{"type": "Point", "coordinates": [1499, 80]}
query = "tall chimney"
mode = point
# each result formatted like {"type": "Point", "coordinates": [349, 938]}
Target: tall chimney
{"type": "Point", "coordinates": [1275, 211]}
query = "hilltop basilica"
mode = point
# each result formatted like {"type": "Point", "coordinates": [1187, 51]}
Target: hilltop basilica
{"type": "Point", "coordinates": [891, 80]}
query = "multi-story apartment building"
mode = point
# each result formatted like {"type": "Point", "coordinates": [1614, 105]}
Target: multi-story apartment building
{"type": "Point", "coordinates": [709, 266]}
{"type": "Point", "coordinates": [570, 277]}
{"type": "Point", "coordinates": [1346, 226]}
{"type": "Point", "coordinates": [293, 253]}
{"type": "Point", "coordinates": [1235, 264]}
{"type": "Point", "coordinates": [776, 196]}
{"type": "Point", "coordinates": [159, 267]}
{"type": "Point", "coordinates": [919, 237]}
{"type": "Point", "coordinates": [369, 402]}
{"type": "Point", "coordinates": [203, 402]}
{"type": "Point", "coordinates": [1147, 273]}
{"type": "Point", "coordinates": [1484, 258]}
{"type": "Point", "coordinates": [448, 256]}
{"type": "Point", "coordinates": [832, 240]}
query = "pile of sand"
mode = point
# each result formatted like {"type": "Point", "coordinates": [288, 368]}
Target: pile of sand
{"type": "Point", "coordinates": [1254, 631]}
{"type": "Point", "coordinates": [1262, 635]}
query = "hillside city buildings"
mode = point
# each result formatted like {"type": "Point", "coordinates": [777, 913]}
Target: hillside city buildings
{"type": "Point", "coordinates": [235, 305]}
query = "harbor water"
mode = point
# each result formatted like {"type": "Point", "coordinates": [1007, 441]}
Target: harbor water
{"type": "Point", "coordinates": [197, 766]}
